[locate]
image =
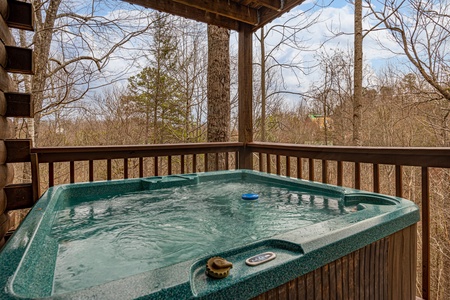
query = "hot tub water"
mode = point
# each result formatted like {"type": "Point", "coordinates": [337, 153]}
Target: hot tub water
{"type": "Point", "coordinates": [105, 239]}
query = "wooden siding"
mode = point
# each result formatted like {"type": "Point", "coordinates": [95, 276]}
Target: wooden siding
{"type": "Point", "coordinates": [13, 14]}
{"type": "Point", "coordinates": [385, 269]}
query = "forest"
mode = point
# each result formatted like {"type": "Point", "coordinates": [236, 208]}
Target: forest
{"type": "Point", "coordinates": [107, 73]}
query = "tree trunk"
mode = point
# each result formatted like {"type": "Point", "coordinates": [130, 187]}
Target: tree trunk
{"type": "Point", "coordinates": [42, 41]}
{"type": "Point", "coordinates": [358, 77]}
{"type": "Point", "coordinates": [218, 87]}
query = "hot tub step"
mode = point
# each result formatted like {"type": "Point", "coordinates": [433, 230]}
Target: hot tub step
{"type": "Point", "coordinates": [242, 274]}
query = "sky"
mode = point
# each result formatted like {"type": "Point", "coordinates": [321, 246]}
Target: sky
{"type": "Point", "coordinates": [332, 17]}
{"type": "Point", "coordinates": [334, 30]}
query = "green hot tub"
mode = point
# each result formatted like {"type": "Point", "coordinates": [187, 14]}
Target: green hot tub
{"type": "Point", "coordinates": [152, 237]}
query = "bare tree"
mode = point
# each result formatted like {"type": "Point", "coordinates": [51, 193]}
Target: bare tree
{"type": "Point", "coordinates": [358, 74]}
{"type": "Point", "coordinates": [75, 43]}
{"type": "Point", "coordinates": [219, 105]}
{"type": "Point", "coordinates": [421, 30]}
{"type": "Point", "coordinates": [289, 35]}
{"type": "Point", "coordinates": [218, 84]}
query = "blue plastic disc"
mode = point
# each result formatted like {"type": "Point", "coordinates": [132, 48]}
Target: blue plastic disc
{"type": "Point", "coordinates": [250, 196]}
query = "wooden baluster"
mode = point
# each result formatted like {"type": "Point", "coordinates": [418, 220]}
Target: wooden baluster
{"type": "Point", "coordinates": [169, 165]}
{"type": "Point", "coordinates": [141, 167]}
{"type": "Point", "coordinates": [205, 159]}
{"type": "Point", "coordinates": [288, 166]}
{"type": "Point", "coordinates": [35, 177]}
{"type": "Point", "coordinates": [324, 171]}
{"type": "Point", "coordinates": [398, 181]}
{"type": "Point", "coordinates": [357, 175]}
{"type": "Point", "coordinates": [278, 163]}
{"type": "Point", "coordinates": [426, 284]}
{"type": "Point", "coordinates": [217, 161]}
{"type": "Point", "coordinates": [227, 161]}
{"type": "Point", "coordinates": [194, 163]}
{"type": "Point", "coordinates": [125, 168]}
{"type": "Point", "coordinates": [72, 171]}
{"type": "Point", "coordinates": [156, 166]}
{"type": "Point", "coordinates": [260, 155]}
{"type": "Point", "coordinates": [91, 170]}
{"type": "Point", "coordinates": [376, 178]}
{"type": "Point", "coordinates": [108, 169]}
{"type": "Point", "coordinates": [182, 168]}
{"type": "Point", "coordinates": [268, 163]}
{"type": "Point", "coordinates": [51, 174]}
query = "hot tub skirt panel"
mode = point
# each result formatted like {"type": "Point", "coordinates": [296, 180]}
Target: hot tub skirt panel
{"type": "Point", "coordinates": [385, 269]}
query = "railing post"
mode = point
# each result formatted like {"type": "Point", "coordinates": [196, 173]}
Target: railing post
{"type": "Point", "coordinates": [357, 175]}
{"type": "Point", "coordinates": [398, 181]}
{"type": "Point", "coordinates": [425, 234]}
{"type": "Point", "coordinates": [35, 177]}
{"type": "Point", "coordinates": [245, 95]}
{"type": "Point", "coordinates": [340, 173]}
{"type": "Point", "coordinates": [376, 178]}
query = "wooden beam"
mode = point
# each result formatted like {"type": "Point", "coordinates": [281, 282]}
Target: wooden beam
{"type": "Point", "coordinates": [267, 15]}
{"type": "Point", "coordinates": [229, 9]}
{"type": "Point", "coordinates": [19, 196]}
{"type": "Point", "coordinates": [18, 150]}
{"type": "Point", "coordinates": [245, 94]}
{"type": "Point", "coordinates": [189, 12]}
{"type": "Point", "coordinates": [272, 4]}
{"type": "Point", "coordinates": [20, 15]}
{"type": "Point", "coordinates": [19, 60]}
{"type": "Point", "coordinates": [18, 105]}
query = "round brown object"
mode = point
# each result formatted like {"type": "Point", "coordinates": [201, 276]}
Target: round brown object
{"type": "Point", "coordinates": [4, 224]}
{"type": "Point", "coordinates": [5, 132]}
{"type": "Point", "coordinates": [2, 104]}
{"type": "Point", "coordinates": [218, 267]}
{"type": "Point", "coordinates": [2, 201]}
{"type": "Point", "coordinates": [2, 152]}
{"type": "Point", "coordinates": [6, 175]}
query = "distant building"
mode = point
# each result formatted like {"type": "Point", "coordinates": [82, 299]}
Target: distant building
{"type": "Point", "coordinates": [321, 121]}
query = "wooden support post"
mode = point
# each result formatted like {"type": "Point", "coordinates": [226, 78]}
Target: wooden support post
{"type": "Point", "coordinates": [245, 93]}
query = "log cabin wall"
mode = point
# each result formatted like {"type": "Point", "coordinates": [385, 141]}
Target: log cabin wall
{"type": "Point", "coordinates": [13, 14]}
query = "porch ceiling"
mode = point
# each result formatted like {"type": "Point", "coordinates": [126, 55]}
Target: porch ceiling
{"type": "Point", "coordinates": [224, 13]}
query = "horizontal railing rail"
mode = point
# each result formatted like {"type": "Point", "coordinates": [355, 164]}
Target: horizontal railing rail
{"type": "Point", "coordinates": [188, 158]}
{"type": "Point", "coordinates": [344, 166]}
{"type": "Point", "coordinates": [284, 159]}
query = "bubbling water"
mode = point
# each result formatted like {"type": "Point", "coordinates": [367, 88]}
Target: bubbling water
{"type": "Point", "coordinates": [107, 239]}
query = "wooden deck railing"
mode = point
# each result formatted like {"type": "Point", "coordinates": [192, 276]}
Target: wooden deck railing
{"type": "Point", "coordinates": [289, 160]}
{"type": "Point", "coordinates": [358, 167]}
{"type": "Point", "coordinates": [151, 160]}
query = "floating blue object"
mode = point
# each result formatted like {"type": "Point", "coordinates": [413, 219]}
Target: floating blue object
{"type": "Point", "coordinates": [250, 196]}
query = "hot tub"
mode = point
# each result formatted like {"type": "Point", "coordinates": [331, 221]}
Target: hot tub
{"type": "Point", "coordinates": [152, 237]}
